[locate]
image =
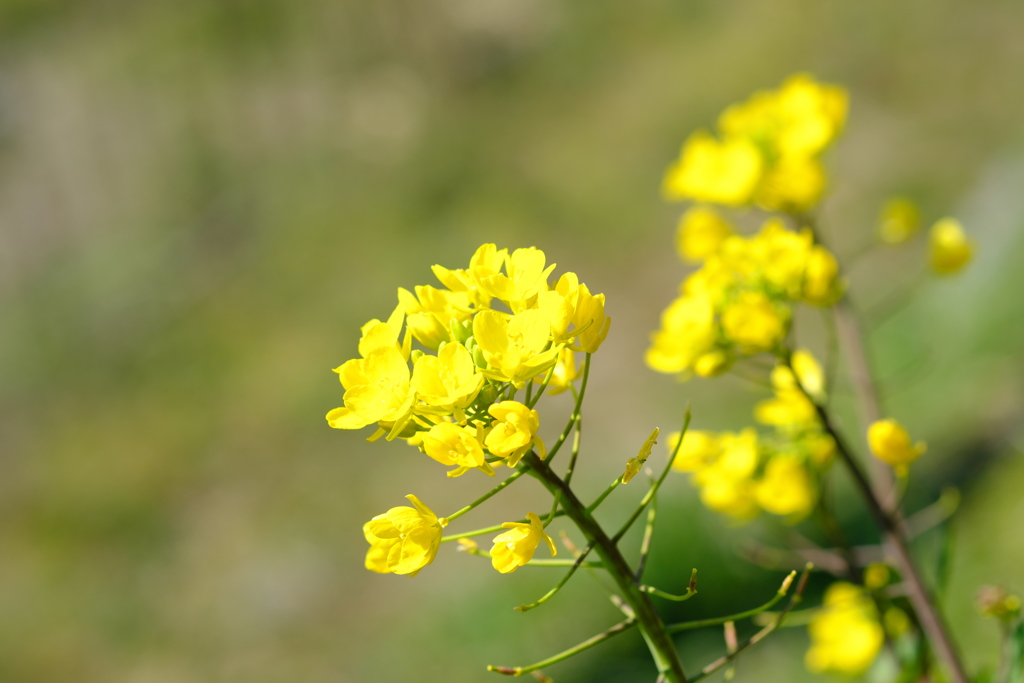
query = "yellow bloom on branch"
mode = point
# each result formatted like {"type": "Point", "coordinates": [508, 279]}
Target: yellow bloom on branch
{"type": "Point", "coordinates": [708, 170]}
{"type": "Point", "coordinates": [404, 539]}
{"type": "Point", "coordinates": [899, 221]}
{"type": "Point", "coordinates": [845, 635]}
{"type": "Point", "coordinates": [785, 488]}
{"type": "Point", "coordinates": [377, 390]}
{"type": "Point", "coordinates": [700, 233]}
{"type": "Point", "coordinates": [450, 444]}
{"type": "Point", "coordinates": [753, 322]}
{"type": "Point", "coordinates": [515, 347]}
{"type": "Point", "coordinates": [890, 442]}
{"type": "Point", "coordinates": [515, 547]}
{"type": "Point", "coordinates": [448, 380]}
{"type": "Point", "coordinates": [949, 249]}
{"type": "Point", "coordinates": [514, 432]}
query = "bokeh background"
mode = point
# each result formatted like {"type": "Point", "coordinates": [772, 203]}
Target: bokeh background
{"type": "Point", "coordinates": [202, 200]}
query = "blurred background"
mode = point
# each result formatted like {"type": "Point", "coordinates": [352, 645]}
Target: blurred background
{"type": "Point", "coordinates": [202, 200]}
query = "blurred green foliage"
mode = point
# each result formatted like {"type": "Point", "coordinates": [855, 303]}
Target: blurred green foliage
{"type": "Point", "coordinates": [201, 200]}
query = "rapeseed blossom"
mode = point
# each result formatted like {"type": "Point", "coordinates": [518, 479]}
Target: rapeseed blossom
{"type": "Point", "coordinates": [845, 634]}
{"type": "Point", "coordinates": [899, 221]}
{"type": "Point", "coordinates": [404, 539]}
{"type": "Point", "coordinates": [515, 547]}
{"type": "Point", "coordinates": [890, 442]}
{"type": "Point", "coordinates": [767, 151]}
{"type": "Point", "coordinates": [489, 331]}
{"type": "Point", "coordinates": [949, 249]}
{"type": "Point", "coordinates": [740, 301]}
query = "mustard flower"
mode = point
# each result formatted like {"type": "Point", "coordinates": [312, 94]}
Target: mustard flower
{"type": "Point", "coordinates": [485, 262]}
{"type": "Point", "coordinates": [590, 320]}
{"type": "Point", "coordinates": [450, 444]}
{"type": "Point", "coordinates": [448, 380]}
{"type": "Point", "coordinates": [899, 221]}
{"type": "Point", "coordinates": [687, 332]}
{"type": "Point", "coordinates": [698, 450]}
{"type": "Point", "coordinates": [404, 539]}
{"type": "Point", "coordinates": [845, 634]}
{"type": "Point", "coordinates": [430, 312]}
{"type": "Point", "coordinates": [792, 184]}
{"type": "Point", "coordinates": [789, 406]}
{"type": "Point", "coordinates": [515, 347]}
{"type": "Point", "coordinates": [890, 442]}
{"type": "Point", "coordinates": [515, 547]}
{"type": "Point", "coordinates": [725, 172]}
{"type": "Point", "coordinates": [564, 372]}
{"type": "Point", "coordinates": [753, 322]}
{"type": "Point", "coordinates": [700, 233]}
{"type": "Point", "coordinates": [377, 334]}
{"type": "Point", "coordinates": [785, 488]}
{"type": "Point", "coordinates": [514, 432]}
{"type": "Point", "coordinates": [822, 286]}
{"type": "Point", "coordinates": [808, 371]}
{"type": "Point", "coordinates": [949, 249]}
{"type": "Point", "coordinates": [525, 278]}
{"type": "Point", "coordinates": [377, 390]}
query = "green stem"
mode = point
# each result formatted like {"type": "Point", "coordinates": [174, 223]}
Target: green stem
{"type": "Point", "coordinates": [575, 412]}
{"type": "Point", "coordinates": [645, 545]}
{"type": "Point", "coordinates": [565, 579]}
{"type": "Point", "coordinates": [621, 627]}
{"type": "Point", "coordinates": [490, 529]}
{"type": "Point", "coordinates": [651, 626]}
{"type": "Point", "coordinates": [760, 635]}
{"type": "Point", "coordinates": [511, 478]}
{"type": "Point", "coordinates": [701, 623]}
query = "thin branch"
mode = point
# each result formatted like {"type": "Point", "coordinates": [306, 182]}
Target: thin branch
{"type": "Point", "coordinates": [621, 627]}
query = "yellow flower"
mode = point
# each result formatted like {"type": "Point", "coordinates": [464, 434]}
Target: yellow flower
{"type": "Point", "coordinates": [377, 334]}
{"type": "Point", "coordinates": [514, 432]}
{"type": "Point", "coordinates": [753, 322]}
{"type": "Point", "coordinates": [431, 311]}
{"type": "Point", "coordinates": [899, 221]}
{"type": "Point", "coordinates": [514, 346]}
{"type": "Point", "coordinates": [890, 442]}
{"type": "Point", "coordinates": [949, 249]}
{"type": "Point", "coordinates": [448, 380]}
{"type": "Point", "coordinates": [515, 547]}
{"type": "Point", "coordinates": [789, 406]}
{"type": "Point", "coordinates": [564, 373]}
{"type": "Point", "coordinates": [822, 286]}
{"type": "Point", "coordinates": [633, 465]}
{"type": "Point", "coordinates": [377, 390]}
{"type": "Point", "coordinates": [807, 369]}
{"type": "Point", "coordinates": [785, 488]}
{"type": "Point", "coordinates": [726, 485]}
{"type": "Point", "coordinates": [845, 634]}
{"type": "Point", "coordinates": [526, 278]}
{"type": "Point", "coordinates": [779, 255]}
{"type": "Point", "coordinates": [403, 540]}
{"type": "Point", "coordinates": [487, 261]}
{"type": "Point", "coordinates": [792, 184]}
{"type": "Point", "coordinates": [712, 363]}
{"type": "Point", "coordinates": [700, 233]}
{"type": "Point", "coordinates": [450, 444]}
{"type": "Point", "coordinates": [590, 318]}
{"type": "Point", "coordinates": [725, 172]}
{"type": "Point", "coordinates": [698, 450]}
{"type": "Point", "coordinates": [687, 332]}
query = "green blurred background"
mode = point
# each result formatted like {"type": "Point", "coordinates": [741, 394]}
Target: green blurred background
{"type": "Point", "coordinates": [202, 200]}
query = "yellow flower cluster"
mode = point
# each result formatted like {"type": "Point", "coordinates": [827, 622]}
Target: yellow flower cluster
{"type": "Point", "coordinates": [767, 150]}
{"type": "Point", "coordinates": [741, 474]}
{"type": "Point", "coordinates": [845, 634]}
{"type": "Point", "coordinates": [890, 442]}
{"type": "Point", "coordinates": [492, 329]}
{"type": "Point", "coordinates": [740, 300]}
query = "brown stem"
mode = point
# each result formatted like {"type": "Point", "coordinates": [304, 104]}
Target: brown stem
{"type": "Point", "coordinates": [651, 626]}
{"type": "Point", "coordinates": [893, 531]}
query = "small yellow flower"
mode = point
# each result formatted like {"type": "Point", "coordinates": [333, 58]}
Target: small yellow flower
{"type": "Point", "coordinates": [687, 333]}
{"type": "Point", "coordinates": [514, 432]}
{"type": "Point", "coordinates": [753, 322]}
{"type": "Point", "coordinates": [899, 221]}
{"type": "Point", "coordinates": [450, 444]}
{"type": "Point", "coordinates": [634, 465]}
{"type": "Point", "coordinates": [792, 184]}
{"type": "Point", "coordinates": [590, 318]}
{"type": "Point", "coordinates": [514, 346]}
{"type": "Point", "coordinates": [949, 249]}
{"type": "Point", "coordinates": [700, 233]}
{"type": "Point", "coordinates": [809, 372]}
{"type": "Point", "coordinates": [525, 279]}
{"type": "Point", "coordinates": [890, 442]}
{"type": "Point", "coordinates": [403, 540]}
{"type": "Point", "coordinates": [377, 334]}
{"type": "Point", "coordinates": [822, 285]}
{"type": "Point", "coordinates": [487, 261]}
{"type": "Point", "coordinates": [448, 380]}
{"type": "Point", "coordinates": [725, 172]}
{"type": "Point", "coordinates": [377, 390]}
{"type": "Point", "coordinates": [845, 634]}
{"type": "Point", "coordinates": [698, 450]}
{"type": "Point", "coordinates": [515, 547]}
{"type": "Point", "coordinates": [430, 312]}
{"type": "Point", "coordinates": [785, 488]}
